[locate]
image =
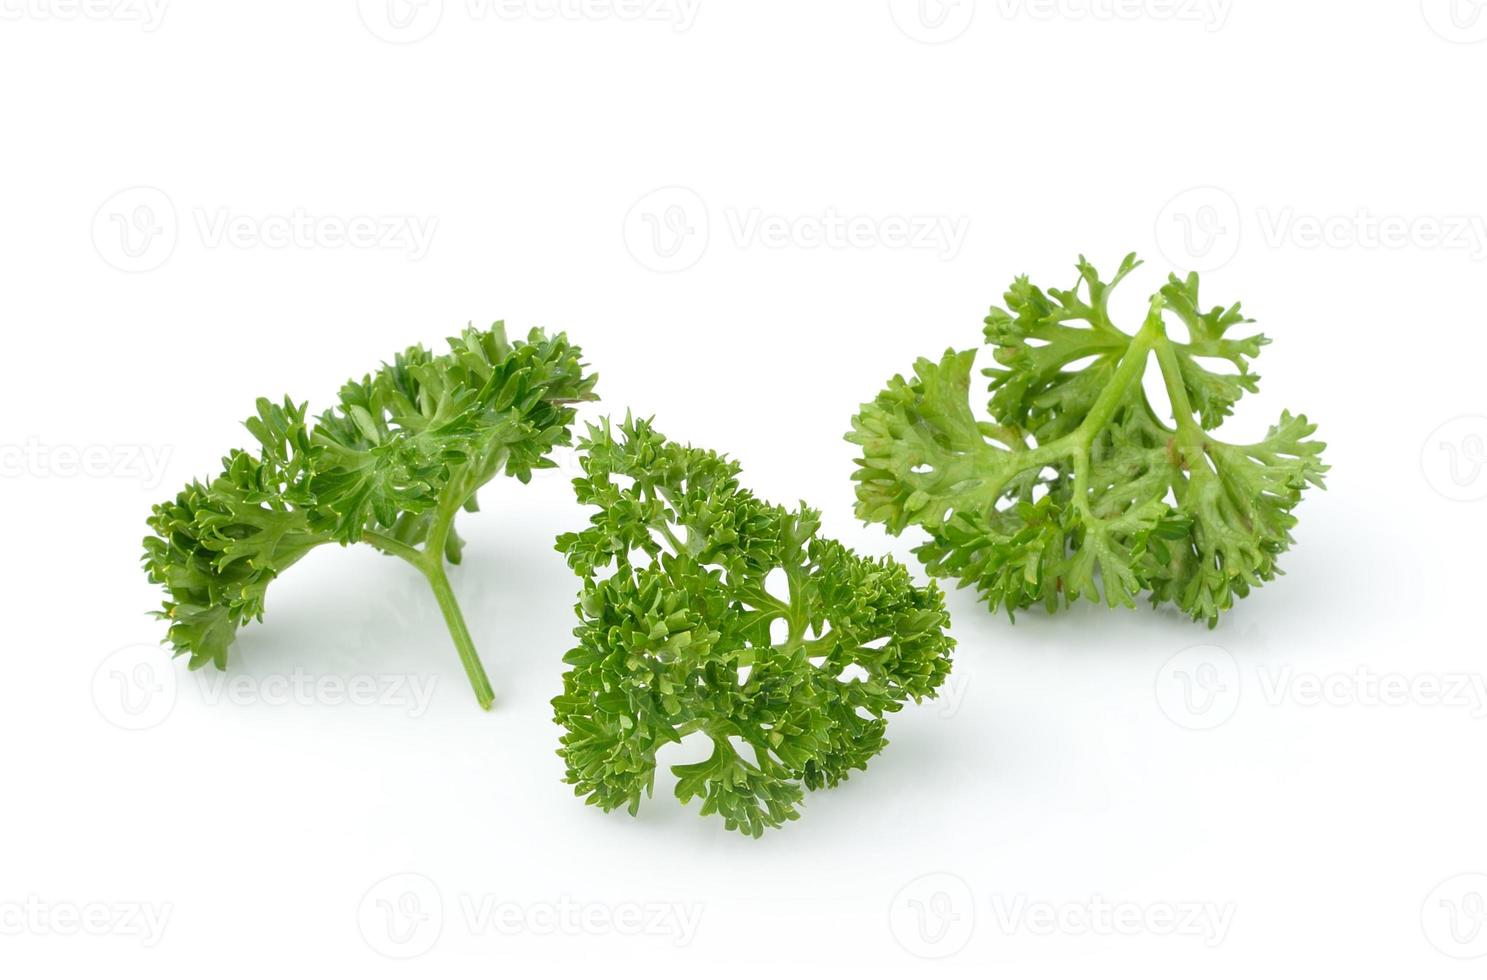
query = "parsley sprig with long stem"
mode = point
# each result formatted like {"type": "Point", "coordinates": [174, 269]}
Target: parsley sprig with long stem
{"type": "Point", "coordinates": [392, 465]}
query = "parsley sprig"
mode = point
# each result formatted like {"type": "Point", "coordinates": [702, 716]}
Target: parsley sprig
{"type": "Point", "coordinates": [1077, 487]}
{"type": "Point", "coordinates": [680, 632]}
{"type": "Point", "coordinates": [391, 465]}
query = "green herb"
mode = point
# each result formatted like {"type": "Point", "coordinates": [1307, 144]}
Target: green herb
{"type": "Point", "coordinates": [1078, 481]}
{"type": "Point", "coordinates": [392, 465]}
{"type": "Point", "coordinates": [789, 681]}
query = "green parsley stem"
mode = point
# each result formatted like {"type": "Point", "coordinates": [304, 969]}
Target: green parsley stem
{"type": "Point", "coordinates": [392, 546]}
{"type": "Point", "coordinates": [430, 561]}
{"type": "Point", "coordinates": [433, 569]}
{"type": "Point", "coordinates": [1177, 393]}
{"type": "Point", "coordinates": [1127, 372]}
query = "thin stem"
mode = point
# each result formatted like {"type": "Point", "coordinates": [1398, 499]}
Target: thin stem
{"type": "Point", "coordinates": [1076, 444]}
{"type": "Point", "coordinates": [393, 547]}
{"type": "Point", "coordinates": [1132, 365]}
{"type": "Point", "coordinates": [432, 563]}
{"type": "Point", "coordinates": [1128, 372]}
{"type": "Point", "coordinates": [434, 570]}
{"type": "Point", "coordinates": [1005, 466]}
{"type": "Point", "coordinates": [1081, 487]}
{"type": "Point", "coordinates": [430, 560]}
{"type": "Point", "coordinates": [1177, 392]}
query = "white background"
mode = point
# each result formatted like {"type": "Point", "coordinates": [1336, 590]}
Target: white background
{"type": "Point", "coordinates": [1337, 152]}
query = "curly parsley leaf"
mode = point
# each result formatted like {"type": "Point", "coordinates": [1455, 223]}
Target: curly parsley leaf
{"type": "Point", "coordinates": [1076, 487]}
{"type": "Point", "coordinates": [391, 465]}
{"type": "Point", "coordinates": [679, 633]}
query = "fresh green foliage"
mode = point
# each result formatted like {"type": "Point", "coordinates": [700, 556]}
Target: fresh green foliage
{"type": "Point", "coordinates": [790, 683]}
{"type": "Point", "coordinates": [1077, 486]}
{"type": "Point", "coordinates": [392, 465]}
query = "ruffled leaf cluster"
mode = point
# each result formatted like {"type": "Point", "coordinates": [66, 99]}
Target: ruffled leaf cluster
{"type": "Point", "coordinates": [704, 609]}
{"type": "Point", "coordinates": [1075, 487]}
{"type": "Point", "coordinates": [391, 464]}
